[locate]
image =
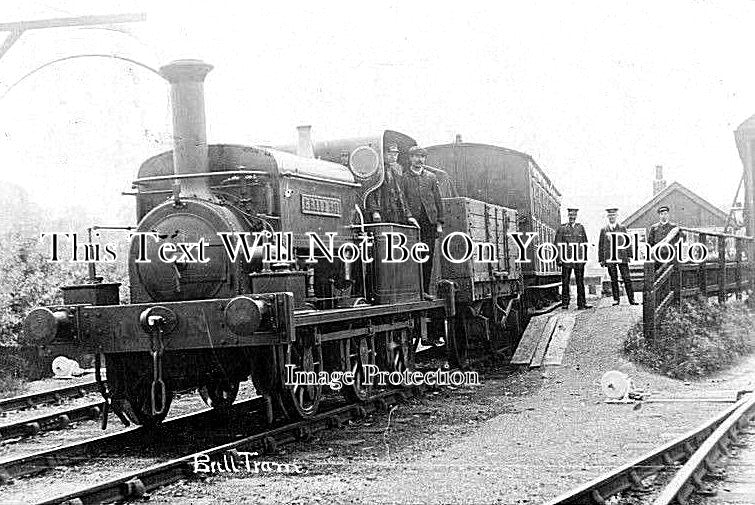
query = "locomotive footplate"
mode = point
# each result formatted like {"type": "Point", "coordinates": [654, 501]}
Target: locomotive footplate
{"type": "Point", "coordinates": [247, 320]}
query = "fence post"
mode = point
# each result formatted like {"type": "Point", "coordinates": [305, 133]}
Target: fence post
{"type": "Point", "coordinates": [721, 269]}
{"type": "Point", "coordinates": [676, 281]}
{"type": "Point", "coordinates": [702, 274]}
{"type": "Point", "coordinates": [648, 302]}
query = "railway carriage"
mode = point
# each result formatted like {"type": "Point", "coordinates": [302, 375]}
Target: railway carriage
{"type": "Point", "coordinates": [209, 322]}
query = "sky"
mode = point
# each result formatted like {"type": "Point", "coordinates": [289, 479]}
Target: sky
{"type": "Point", "coordinates": [598, 92]}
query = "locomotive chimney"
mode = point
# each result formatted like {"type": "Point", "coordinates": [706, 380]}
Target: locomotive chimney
{"type": "Point", "coordinates": [186, 78]}
{"type": "Point", "coordinates": [304, 147]}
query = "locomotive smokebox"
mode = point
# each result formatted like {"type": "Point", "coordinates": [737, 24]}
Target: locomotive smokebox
{"type": "Point", "coordinates": [186, 78]}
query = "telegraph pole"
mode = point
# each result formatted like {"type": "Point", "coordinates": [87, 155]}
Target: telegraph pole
{"type": "Point", "coordinates": [18, 28]}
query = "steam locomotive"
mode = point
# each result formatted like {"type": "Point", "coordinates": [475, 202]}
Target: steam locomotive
{"type": "Point", "coordinates": [213, 323]}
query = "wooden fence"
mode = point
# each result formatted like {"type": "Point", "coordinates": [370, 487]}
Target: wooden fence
{"type": "Point", "coordinates": [727, 270]}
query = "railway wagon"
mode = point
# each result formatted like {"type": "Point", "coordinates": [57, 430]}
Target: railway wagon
{"type": "Point", "coordinates": [514, 180]}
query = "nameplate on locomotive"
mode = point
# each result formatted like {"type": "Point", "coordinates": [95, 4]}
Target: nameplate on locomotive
{"type": "Point", "coordinates": [320, 205]}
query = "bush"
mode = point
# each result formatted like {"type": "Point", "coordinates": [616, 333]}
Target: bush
{"type": "Point", "coordinates": [694, 340]}
{"type": "Point", "coordinates": [27, 279]}
{"type": "Point", "coordinates": [11, 374]}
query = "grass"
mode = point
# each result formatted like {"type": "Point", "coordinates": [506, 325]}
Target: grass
{"type": "Point", "coordinates": [695, 339]}
{"type": "Point", "coordinates": [11, 374]}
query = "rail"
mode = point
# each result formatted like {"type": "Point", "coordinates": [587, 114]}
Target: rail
{"type": "Point", "coordinates": [137, 484]}
{"type": "Point", "coordinates": [697, 451]}
{"type": "Point", "coordinates": [58, 395]}
{"type": "Point", "coordinates": [727, 269]}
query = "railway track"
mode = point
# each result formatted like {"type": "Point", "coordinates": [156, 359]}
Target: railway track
{"type": "Point", "coordinates": [46, 397]}
{"type": "Point", "coordinates": [31, 464]}
{"type": "Point", "coordinates": [63, 419]}
{"type": "Point", "coordinates": [738, 485]}
{"type": "Point", "coordinates": [48, 422]}
{"type": "Point", "coordinates": [692, 460]}
{"type": "Point", "coordinates": [139, 483]}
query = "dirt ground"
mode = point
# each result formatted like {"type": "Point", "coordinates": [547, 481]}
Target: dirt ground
{"type": "Point", "coordinates": [520, 437]}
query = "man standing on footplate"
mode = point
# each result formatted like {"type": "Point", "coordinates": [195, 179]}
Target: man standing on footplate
{"type": "Point", "coordinates": [387, 204]}
{"type": "Point", "coordinates": [420, 188]}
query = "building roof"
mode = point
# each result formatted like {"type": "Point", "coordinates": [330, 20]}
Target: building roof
{"type": "Point", "coordinates": [675, 186]}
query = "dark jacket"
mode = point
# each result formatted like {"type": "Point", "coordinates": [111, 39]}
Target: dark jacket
{"type": "Point", "coordinates": [604, 244]}
{"type": "Point", "coordinates": [445, 185]}
{"type": "Point", "coordinates": [658, 232]}
{"type": "Point", "coordinates": [388, 199]}
{"type": "Point", "coordinates": [567, 234]}
{"type": "Point", "coordinates": [423, 195]}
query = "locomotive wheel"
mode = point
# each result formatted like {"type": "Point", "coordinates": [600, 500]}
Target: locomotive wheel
{"type": "Point", "coordinates": [356, 353]}
{"type": "Point", "coordinates": [399, 349]}
{"type": "Point", "coordinates": [137, 405]}
{"type": "Point", "coordinates": [220, 395]}
{"type": "Point", "coordinates": [302, 401]}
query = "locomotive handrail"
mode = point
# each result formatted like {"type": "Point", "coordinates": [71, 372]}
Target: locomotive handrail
{"type": "Point", "coordinates": [323, 180]}
{"type": "Point", "coordinates": [157, 178]}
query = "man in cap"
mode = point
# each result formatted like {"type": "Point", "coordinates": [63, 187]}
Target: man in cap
{"type": "Point", "coordinates": [618, 262]}
{"type": "Point", "coordinates": [420, 188]}
{"type": "Point", "coordinates": [567, 234]}
{"type": "Point", "coordinates": [387, 203]}
{"type": "Point", "coordinates": [662, 228]}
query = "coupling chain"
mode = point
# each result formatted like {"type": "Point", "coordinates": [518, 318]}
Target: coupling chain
{"type": "Point", "coordinates": [157, 389]}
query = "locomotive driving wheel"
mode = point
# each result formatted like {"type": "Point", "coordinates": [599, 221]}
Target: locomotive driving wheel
{"type": "Point", "coordinates": [301, 400]}
{"type": "Point", "coordinates": [138, 404]}
{"type": "Point", "coordinates": [220, 394]}
{"type": "Point", "coordinates": [357, 354]}
{"type": "Point", "coordinates": [399, 348]}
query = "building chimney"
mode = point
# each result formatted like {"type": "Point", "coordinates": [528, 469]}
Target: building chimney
{"type": "Point", "coordinates": [186, 78]}
{"type": "Point", "coordinates": [659, 183]}
{"type": "Point", "coordinates": [457, 140]}
{"type": "Point", "coordinates": [304, 147]}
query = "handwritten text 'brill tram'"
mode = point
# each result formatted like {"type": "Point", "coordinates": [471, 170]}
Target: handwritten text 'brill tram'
{"type": "Point", "coordinates": [274, 247]}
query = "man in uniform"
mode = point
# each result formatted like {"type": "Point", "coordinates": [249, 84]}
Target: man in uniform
{"type": "Point", "coordinates": [622, 257]}
{"type": "Point", "coordinates": [572, 233]}
{"type": "Point", "coordinates": [387, 203]}
{"type": "Point", "coordinates": [420, 188]}
{"type": "Point", "coordinates": [662, 228]}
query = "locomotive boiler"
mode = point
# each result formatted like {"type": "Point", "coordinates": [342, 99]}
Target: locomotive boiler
{"type": "Point", "coordinates": [199, 317]}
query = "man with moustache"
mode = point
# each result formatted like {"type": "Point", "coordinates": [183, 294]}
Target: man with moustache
{"type": "Point", "coordinates": [420, 188]}
{"type": "Point", "coordinates": [621, 263]}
